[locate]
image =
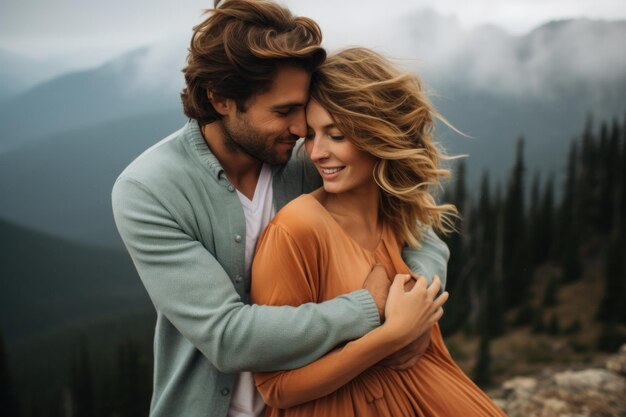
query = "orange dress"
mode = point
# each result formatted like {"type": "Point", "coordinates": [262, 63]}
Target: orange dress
{"type": "Point", "coordinates": [303, 256]}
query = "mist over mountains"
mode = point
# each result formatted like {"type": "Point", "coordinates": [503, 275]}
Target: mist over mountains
{"type": "Point", "coordinates": [63, 142]}
{"type": "Point", "coordinates": [132, 84]}
{"type": "Point", "coordinates": [19, 73]}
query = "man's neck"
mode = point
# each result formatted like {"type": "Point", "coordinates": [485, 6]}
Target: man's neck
{"type": "Point", "coordinates": [241, 169]}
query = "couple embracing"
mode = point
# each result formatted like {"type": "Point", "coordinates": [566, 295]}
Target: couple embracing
{"type": "Point", "coordinates": [285, 233]}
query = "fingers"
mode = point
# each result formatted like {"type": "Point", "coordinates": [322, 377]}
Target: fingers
{"type": "Point", "coordinates": [401, 278]}
{"type": "Point", "coordinates": [438, 314]}
{"type": "Point", "coordinates": [439, 301]}
{"type": "Point", "coordinates": [434, 288]}
{"type": "Point", "coordinates": [399, 281]}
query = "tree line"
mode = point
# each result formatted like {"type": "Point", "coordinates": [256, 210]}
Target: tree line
{"type": "Point", "coordinates": [507, 232]}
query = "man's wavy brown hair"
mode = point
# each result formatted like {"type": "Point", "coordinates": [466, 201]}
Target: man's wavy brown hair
{"type": "Point", "coordinates": [236, 51]}
{"type": "Point", "coordinates": [386, 113]}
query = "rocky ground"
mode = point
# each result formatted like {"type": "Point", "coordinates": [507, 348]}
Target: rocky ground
{"type": "Point", "coordinates": [592, 392]}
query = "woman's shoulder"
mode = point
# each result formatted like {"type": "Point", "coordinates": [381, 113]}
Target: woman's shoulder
{"type": "Point", "coordinates": [304, 216]}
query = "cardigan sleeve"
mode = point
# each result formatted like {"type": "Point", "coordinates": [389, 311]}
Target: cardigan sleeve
{"type": "Point", "coordinates": [189, 287]}
{"type": "Point", "coordinates": [278, 251]}
{"type": "Point", "coordinates": [430, 259]}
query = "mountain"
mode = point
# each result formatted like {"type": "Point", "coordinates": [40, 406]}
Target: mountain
{"type": "Point", "coordinates": [142, 81]}
{"type": "Point", "coordinates": [18, 73]}
{"type": "Point", "coordinates": [48, 283]}
{"type": "Point", "coordinates": [62, 184]}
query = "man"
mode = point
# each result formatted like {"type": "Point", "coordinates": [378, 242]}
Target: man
{"type": "Point", "coordinates": [190, 209]}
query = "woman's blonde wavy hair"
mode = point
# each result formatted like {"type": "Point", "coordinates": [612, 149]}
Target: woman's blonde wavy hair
{"type": "Point", "coordinates": [385, 112]}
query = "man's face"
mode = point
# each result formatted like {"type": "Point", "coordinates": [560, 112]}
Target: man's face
{"type": "Point", "coordinates": [273, 120]}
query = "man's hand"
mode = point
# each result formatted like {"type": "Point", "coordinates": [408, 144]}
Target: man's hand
{"type": "Point", "coordinates": [408, 356]}
{"type": "Point", "coordinates": [377, 283]}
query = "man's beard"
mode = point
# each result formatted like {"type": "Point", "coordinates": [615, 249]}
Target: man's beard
{"type": "Point", "coordinates": [241, 136]}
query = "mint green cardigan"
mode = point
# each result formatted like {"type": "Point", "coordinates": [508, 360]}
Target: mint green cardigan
{"type": "Point", "coordinates": [184, 228]}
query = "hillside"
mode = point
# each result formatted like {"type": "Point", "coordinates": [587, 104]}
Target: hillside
{"type": "Point", "coordinates": [62, 184]}
{"type": "Point", "coordinates": [48, 283]}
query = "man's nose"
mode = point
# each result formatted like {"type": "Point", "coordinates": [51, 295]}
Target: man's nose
{"type": "Point", "coordinates": [298, 123]}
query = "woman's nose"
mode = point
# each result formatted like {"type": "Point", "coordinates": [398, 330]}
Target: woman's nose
{"type": "Point", "coordinates": [316, 149]}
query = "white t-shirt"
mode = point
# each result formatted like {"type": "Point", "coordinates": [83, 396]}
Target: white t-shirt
{"type": "Point", "coordinates": [246, 400]}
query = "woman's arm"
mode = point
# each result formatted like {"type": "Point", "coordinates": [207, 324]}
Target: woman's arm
{"type": "Point", "coordinates": [407, 314]}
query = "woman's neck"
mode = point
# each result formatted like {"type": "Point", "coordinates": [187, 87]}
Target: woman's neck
{"type": "Point", "coordinates": [357, 212]}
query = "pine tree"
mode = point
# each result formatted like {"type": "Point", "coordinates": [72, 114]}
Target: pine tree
{"type": "Point", "coordinates": [8, 400]}
{"type": "Point", "coordinates": [533, 218]}
{"type": "Point", "coordinates": [609, 185]}
{"type": "Point", "coordinates": [570, 224]}
{"type": "Point", "coordinates": [588, 188]}
{"type": "Point", "coordinates": [613, 308]}
{"type": "Point", "coordinates": [540, 221]}
{"type": "Point", "coordinates": [482, 368]}
{"type": "Point", "coordinates": [546, 221]}
{"type": "Point", "coordinates": [517, 271]}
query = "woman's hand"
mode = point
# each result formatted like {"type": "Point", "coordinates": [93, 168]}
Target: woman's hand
{"type": "Point", "coordinates": [412, 312]}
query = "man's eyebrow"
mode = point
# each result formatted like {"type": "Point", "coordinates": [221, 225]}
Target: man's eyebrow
{"type": "Point", "coordinates": [288, 104]}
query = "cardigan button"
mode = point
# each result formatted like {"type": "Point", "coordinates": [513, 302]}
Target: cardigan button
{"type": "Point", "coordinates": [225, 391]}
{"type": "Point", "coordinates": [238, 238]}
{"type": "Point", "coordinates": [231, 188]}
{"type": "Point", "coordinates": [238, 278]}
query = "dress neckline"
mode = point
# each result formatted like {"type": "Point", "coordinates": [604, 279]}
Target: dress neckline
{"type": "Point", "coordinates": [380, 242]}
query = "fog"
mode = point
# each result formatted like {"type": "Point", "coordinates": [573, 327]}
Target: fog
{"type": "Point", "coordinates": [88, 33]}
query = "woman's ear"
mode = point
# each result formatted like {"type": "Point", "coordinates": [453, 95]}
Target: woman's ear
{"type": "Point", "coordinates": [222, 105]}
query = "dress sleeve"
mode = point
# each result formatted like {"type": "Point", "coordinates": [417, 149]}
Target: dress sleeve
{"type": "Point", "coordinates": [280, 255]}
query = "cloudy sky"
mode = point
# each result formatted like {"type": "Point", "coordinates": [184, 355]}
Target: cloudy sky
{"type": "Point", "coordinates": [90, 32]}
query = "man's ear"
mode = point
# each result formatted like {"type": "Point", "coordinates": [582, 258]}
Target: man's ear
{"type": "Point", "coordinates": [222, 105]}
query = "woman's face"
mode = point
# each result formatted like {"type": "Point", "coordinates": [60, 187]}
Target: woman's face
{"type": "Point", "coordinates": [343, 167]}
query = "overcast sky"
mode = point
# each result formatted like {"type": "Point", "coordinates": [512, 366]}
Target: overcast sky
{"type": "Point", "coordinates": [87, 31]}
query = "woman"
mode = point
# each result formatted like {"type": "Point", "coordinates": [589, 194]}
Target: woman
{"type": "Point", "coordinates": [370, 139]}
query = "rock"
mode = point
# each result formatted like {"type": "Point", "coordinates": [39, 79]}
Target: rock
{"type": "Point", "coordinates": [520, 386]}
{"type": "Point", "coordinates": [591, 380]}
{"type": "Point", "coordinates": [617, 363]}
{"type": "Point", "coordinates": [580, 393]}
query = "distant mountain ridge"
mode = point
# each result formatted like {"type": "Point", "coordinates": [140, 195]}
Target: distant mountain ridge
{"type": "Point", "coordinates": [19, 73]}
{"type": "Point", "coordinates": [121, 88]}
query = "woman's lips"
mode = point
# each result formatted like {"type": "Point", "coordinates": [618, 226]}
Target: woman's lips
{"type": "Point", "coordinates": [330, 173]}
